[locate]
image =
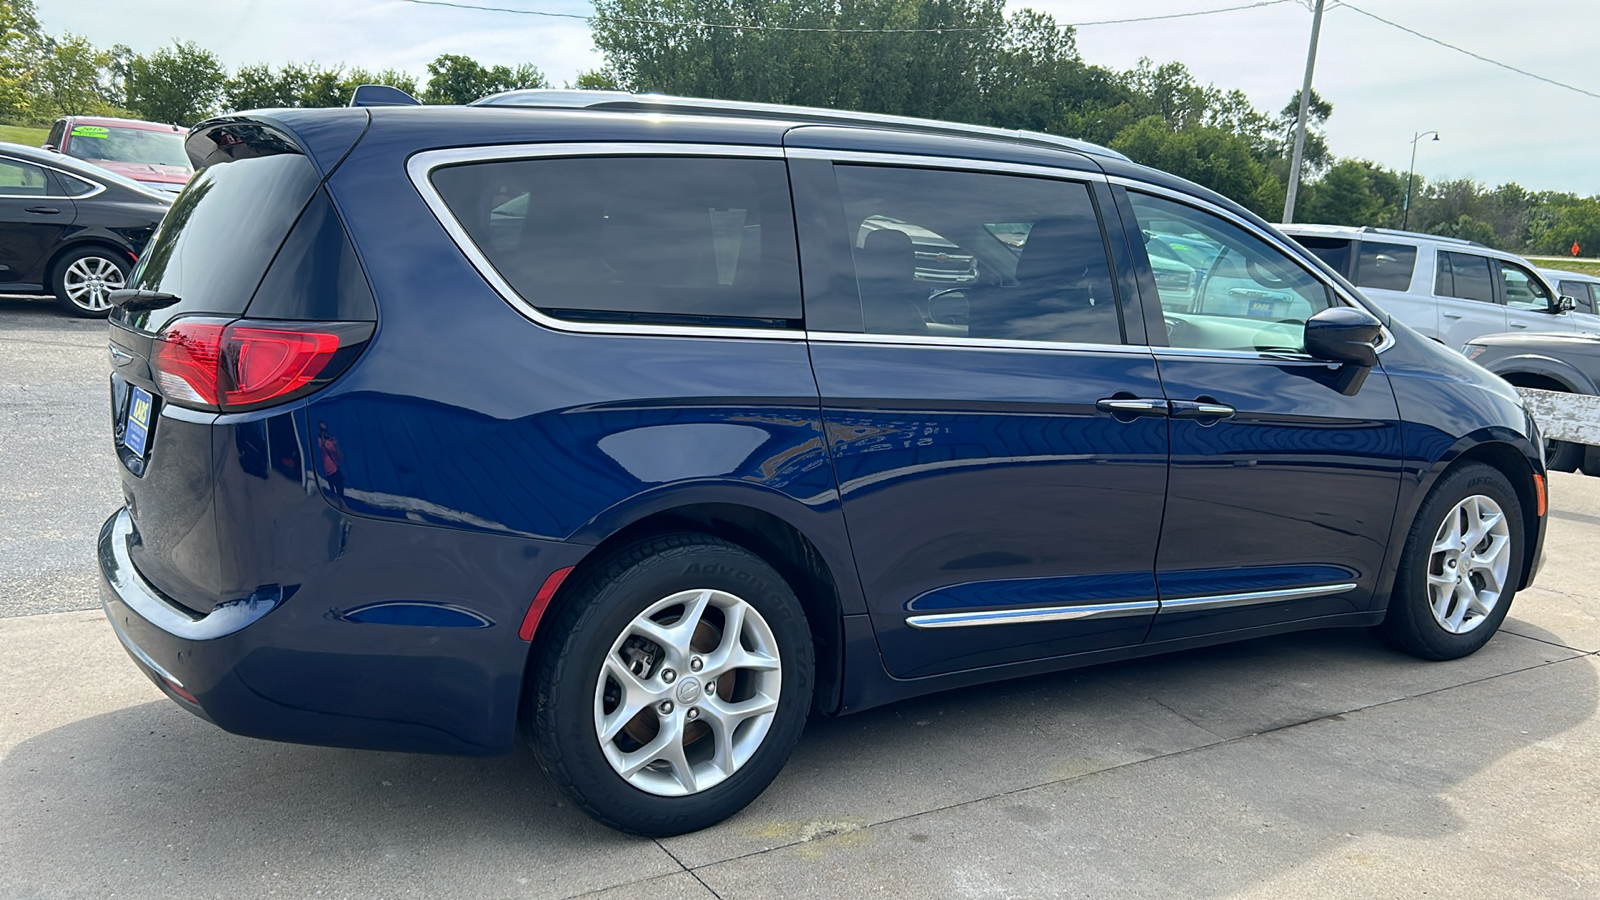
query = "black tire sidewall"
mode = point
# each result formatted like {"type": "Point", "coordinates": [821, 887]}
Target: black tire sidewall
{"type": "Point", "coordinates": [58, 278]}
{"type": "Point", "coordinates": [563, 700]}
{"type": "Point", "coordinates": [1410, 624]}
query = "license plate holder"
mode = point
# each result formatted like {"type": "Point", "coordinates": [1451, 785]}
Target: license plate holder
{"type": "Point", "coordinates": [136, 427]}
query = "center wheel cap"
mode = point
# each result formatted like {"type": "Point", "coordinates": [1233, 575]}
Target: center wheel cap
{"type": "Point", "coordinates": [689, 690]}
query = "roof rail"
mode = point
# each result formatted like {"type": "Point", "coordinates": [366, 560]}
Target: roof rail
{"type": "Point", "coordinates": [1422, 234]}
{"type": "Point", "coordinates": [621, 101]}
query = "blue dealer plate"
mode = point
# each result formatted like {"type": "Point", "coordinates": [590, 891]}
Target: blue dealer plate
{"type": "Point", "coordinates": [136, 435]}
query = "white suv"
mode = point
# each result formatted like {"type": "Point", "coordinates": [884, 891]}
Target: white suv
{"type": "Point", "coordinates": [1450, 290]}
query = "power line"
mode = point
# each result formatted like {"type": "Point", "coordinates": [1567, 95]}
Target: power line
{"type": "Point", "coordinates": [1480, 58]}
{"type": "Point", "coordinates": [824, 30]}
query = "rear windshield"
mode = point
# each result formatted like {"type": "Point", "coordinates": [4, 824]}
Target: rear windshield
{"type": "Point", "coordinates": [215, 243]}
{"type": "Point", "coordinates": [1387, 267]}
{"type": "Point", "coordinates": [638, 239]}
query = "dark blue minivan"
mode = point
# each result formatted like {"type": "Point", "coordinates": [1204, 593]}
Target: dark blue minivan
{"type": "Point", "coordinates": [643, 427]}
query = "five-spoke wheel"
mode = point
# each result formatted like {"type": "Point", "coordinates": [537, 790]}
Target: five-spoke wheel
{"type": "Point", "coordinates": [671, 678]}
{"type": "Point", "coordinates": [687, 692]}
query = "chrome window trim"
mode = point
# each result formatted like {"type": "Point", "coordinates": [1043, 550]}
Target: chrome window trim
{"type": "Point", "coordinates": [1031, 615]}
{"type": "Point", "coordinates": [964, 343]}
{"type": "Point", "coordinates": [1251, 598]}
{"type": "Point", "coordinates": [964, 163]}
{"type": "Point", "coordinates": [1293, 255]}
{"type": "Point", "coordinates": [98, 188]}
{"type": "Point", "coordinates": [421, 166]}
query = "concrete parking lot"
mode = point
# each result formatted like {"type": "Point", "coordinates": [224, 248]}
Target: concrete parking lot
{"type": "Point", "coordinates": [1319, 764]}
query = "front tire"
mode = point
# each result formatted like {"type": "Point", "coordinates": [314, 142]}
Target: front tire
{"type": "Point", "coordinates": [84, 279]}
{"type": "Point", "coordinates": [1457, 571]}
{"type": "Point", "coordinates": [671, 684]}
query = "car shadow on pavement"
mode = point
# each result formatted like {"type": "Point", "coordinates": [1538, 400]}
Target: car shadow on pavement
{"type": "Point", "coordinates": [148, 798]}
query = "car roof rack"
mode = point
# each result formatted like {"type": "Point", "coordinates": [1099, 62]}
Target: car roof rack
{"type": "Point", "coordinates": [1312, 228]}
{"type": "Point", "coordinates": [1421, 234]}
{"type": "Point", "coordinates": [622, 101]}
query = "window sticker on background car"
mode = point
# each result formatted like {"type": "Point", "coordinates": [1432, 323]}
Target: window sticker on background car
{"type": "Point", "coordinates": [91, 131]}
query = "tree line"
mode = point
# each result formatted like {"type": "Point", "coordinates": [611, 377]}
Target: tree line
{"type": "Point", "coordinates": [959, 60]}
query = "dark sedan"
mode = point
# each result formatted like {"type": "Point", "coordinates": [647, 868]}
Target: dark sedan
{"type": "Point", "coordinates": [70, 229]}
{"type": "Point", "coordinates": [1567, 363]}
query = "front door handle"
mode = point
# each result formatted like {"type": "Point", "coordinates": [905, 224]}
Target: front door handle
{"type": "Point", "coordinates": [44, 210]}
{"type": "Point", "coordinates": [1201, 409]}
{"type": "Point", "coordinates": [1519, 325]}
{"type": "Point", "coordinates": [1132, 406]}
{"type": "Point", "coordinates": [1451, 315]}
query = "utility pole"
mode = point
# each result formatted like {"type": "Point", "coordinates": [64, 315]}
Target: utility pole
{"type": "Point", "coordinates": [1405, 220]}
{"type": "Point", "coordinates": [1305, 107]}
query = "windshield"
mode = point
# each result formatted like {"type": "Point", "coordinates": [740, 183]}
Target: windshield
{"type": "Point", "coordinates": [108, 143]}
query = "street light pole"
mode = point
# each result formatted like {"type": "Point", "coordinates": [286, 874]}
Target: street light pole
{"type": "Point", "coordinates": [1405, 217]}
{"type": "Point", "coordinates": [1305, 109]}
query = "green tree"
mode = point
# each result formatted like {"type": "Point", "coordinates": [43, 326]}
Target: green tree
{"type": "Point", "coordinates": [596, 80]}
{"type": "Point", "coordinates": [180, 84]}
{"type": "Point", "coordinates": [20, 40]}
{"type": "Point", "coordinates": [461, 79]}
{"type": "Point", "coordinates": [71, 78]}
{"type": "Point", "coordinates": [1220, 160]}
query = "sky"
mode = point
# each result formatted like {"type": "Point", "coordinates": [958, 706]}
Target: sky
{"type": "Point", "coordinates": [1495, 126]}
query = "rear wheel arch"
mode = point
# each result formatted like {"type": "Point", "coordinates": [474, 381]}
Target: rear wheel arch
{"type": "Point", "coordinates": [777, 543]}
{"type": "Point", "coordinates": [93, 242]}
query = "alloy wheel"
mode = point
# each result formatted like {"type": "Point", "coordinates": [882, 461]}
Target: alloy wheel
{"type": "Point", "coordinates": [687, 692]}
{"type": "Point", "coordinates": [89, 282]}
{"type": "Point", "coordinates": [1468, 564]}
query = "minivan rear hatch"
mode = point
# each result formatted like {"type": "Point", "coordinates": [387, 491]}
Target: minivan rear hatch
{"type": "Point", "coordinates": [246, 281]}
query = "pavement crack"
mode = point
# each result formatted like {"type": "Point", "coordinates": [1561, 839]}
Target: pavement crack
{"type": "Point", "coordinates": [1157, 701]}
{"type": "Point", "coordinates": [692, 873]}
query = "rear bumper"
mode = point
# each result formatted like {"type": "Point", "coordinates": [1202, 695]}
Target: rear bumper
{"type": "Point", "coordinates": [285, 664]}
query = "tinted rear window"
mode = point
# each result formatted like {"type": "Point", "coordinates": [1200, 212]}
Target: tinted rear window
{"type": "Point", "coordinates": [217, 240]}
{"type": "Point", "coordinates": [1387, 267]}
{"type": "Point", "coordinates": [316, 275]}
{"type": "Point", "coordinates": [1333, 251]}
{"type": "Point", "coordinates": [652, 239]}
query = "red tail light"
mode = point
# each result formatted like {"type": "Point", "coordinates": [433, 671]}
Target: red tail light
{"type": "Point", "coordinates": [212, 364]}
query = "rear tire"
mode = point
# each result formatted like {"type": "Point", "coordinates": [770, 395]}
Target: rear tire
{"type": "Point", "coordinates": [83, 279]}
{"type": "Point", "coordinates": [1461, 559]}
{"type": "Point", "coordinates": [651, 707]}
{"type": "Point", "coordinates": [1563, 456]}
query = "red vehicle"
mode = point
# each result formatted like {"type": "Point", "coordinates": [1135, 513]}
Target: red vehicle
{"type": "Point", "coordinates": [147, 152]}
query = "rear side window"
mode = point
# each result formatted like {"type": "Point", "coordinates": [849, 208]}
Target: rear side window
{"type": "Point", "coordinates": [1464, 275]}
{"type": "Point", "coordinates": [315, 276]}
{"type": "Point", "coordinates": [1387, 267]}
{"type": "Point", "coordinates": [1580, 292]}
{"type": "Point", "coordinates": [674, 240]}
{"type": "Point", "coordinates": [217, 240]}
{"type": "Point", "coordinates": [72, 185]}
{"type": "Point", "coordinates": [1333, 251]}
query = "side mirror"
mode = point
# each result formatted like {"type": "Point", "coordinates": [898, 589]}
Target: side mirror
{"type": "Point", "coordinates": [1565, 304]}
{"type": "Point", "coordinates": [1347, 335]}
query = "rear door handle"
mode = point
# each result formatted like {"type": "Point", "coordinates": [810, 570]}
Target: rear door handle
{"type": "Point", "coordinates": [44, 210]}
{"type": "Point", "coordinates": [1519, 325]}
{"type": "Point", "coordinates": [1201, 409]}
{"type": "Point", "coordinates": [1132, 406]}
{"type": "Point", "coordinates": [1451, 315]}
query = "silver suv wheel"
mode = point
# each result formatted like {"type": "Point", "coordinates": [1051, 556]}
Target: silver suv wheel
{"type": "Point", "coordinates": [687, 692]}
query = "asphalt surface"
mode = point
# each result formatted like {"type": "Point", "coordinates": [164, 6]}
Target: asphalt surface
{"type": "Point", "coordinates": [1312, 765]}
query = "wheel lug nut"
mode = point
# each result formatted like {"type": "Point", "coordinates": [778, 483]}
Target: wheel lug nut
{"type": "Point", "coordinates": [666, 707]}
{"type": "Point", "coordinates": [711, 689]}
{"type": "Point", "coordinates": [693, 714]}
{"type": "Point", "coordinates": [668, 676]}
{"type": "Point", "coordinates": [696, 664]}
